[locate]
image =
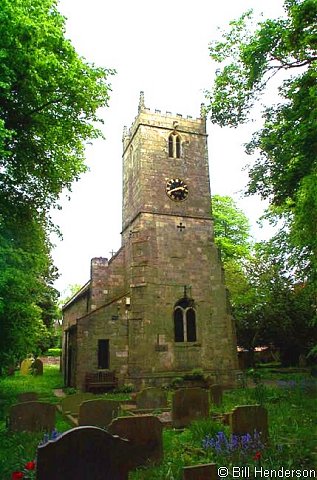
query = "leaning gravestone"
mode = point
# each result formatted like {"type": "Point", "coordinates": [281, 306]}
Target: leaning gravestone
{"type": "Point", "coordinates": [32, 417]}
{"type": "Point", "coordinates": [27, 397]}
{"type": "Point", "coordinates": [249, 418]}
{"type": "Point", "coordinates": [98, 413]}
{"type": "Point", "coordinates": [71, 403]}
{"type": "Point", "coordinates": [37, 367]}
{"type": "Point", "coordinates": [145, 434]}
{"type": "Point", "coordinates": [151, 398]}
{"type": "Point", "coordinates": [25, 368]}
{"type": "Point", "coordinates": [207, 471]}
{"type": "Point", "coordinates": [189, 404]}
{"type": "Point", "coordinates": [85, 453]}
{"type": "Point", "coordinates": [216, 394]}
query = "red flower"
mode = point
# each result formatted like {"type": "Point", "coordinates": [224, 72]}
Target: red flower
{"type": "Point", "coordinates": [17, 475]}
{"type": "Point", "coordinates": [257, 456]}
{"type": "Point", "coordinates": [30, 466]}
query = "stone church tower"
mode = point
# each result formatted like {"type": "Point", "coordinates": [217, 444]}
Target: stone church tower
{"type": "Point", "coordinates": [158, 308]}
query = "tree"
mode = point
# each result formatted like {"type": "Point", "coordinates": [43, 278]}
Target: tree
{"type": "Point", "coordinates": [280, 307]}
{"type": "Point", "coordinates": [231, 228]}
{"type": "Point", "coordinates": [286, 169]}
{"type": "Point", "coordinates": [271, 300]}
{"type": "Point", "coordinates": [49, 98]}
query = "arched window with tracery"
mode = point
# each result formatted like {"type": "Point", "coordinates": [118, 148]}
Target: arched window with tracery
{"type": "Point", "coordinates": [185, 321]}
{"type": "Point", "coordinates": [174, 145]}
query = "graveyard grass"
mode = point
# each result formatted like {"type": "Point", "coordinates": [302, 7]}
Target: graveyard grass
{"type": "Point", "coordinates": [292, 424]}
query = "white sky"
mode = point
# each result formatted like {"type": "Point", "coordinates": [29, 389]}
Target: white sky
{"type": "Point", "coordinates": [162, 49]}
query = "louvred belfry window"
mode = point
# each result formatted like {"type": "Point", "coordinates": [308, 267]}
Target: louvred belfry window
{"type": "Point", "coordinates": [174, 146]}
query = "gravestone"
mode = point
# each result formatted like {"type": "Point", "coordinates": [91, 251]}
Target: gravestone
{"type": "Point", "coordinates": [85, 453]}
{"type": "Point", "coordinates": [25, 368]}
{"type": "Point", "coordinates": [248, 418]}
{"type": "Point", "coordinates": [32, 417]}
{"type": "Point", "coordinates": [27, 397]}
{"type": "Point", "coordinates": [71, 403]}
{"type": "Point", "coordinates": [151, 398]}
{"type": "Point", "coordinates": [98, 413]}
{"type": "Point", "coordinates": [145, 434]}
{"type": "Point", "coordinates": [37, 367]}
{"type": "Point", "coordinates": [207, 471]}
{"type": "Point", "coordinates": [189, 404]}
{"type": "Point", "coordinates": [216, 394]}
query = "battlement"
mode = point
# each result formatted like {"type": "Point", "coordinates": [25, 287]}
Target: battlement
{"type": "Point", "coordinates": [166, 120]}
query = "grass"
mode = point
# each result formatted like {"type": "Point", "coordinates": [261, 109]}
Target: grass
{"type": "Point", "coordinates": [18, 448]}
{"type": "Point", "coordinates": [292, 424]}
{"type": "Point", "coordinates": [292, 420]}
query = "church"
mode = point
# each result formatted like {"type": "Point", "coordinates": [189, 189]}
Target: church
{"type": "Point", "coordinates": [158, 308]}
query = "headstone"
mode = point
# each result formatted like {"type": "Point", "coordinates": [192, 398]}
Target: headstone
{"type": "Point", "coordinates": [216, 394]}
{"type": "Point", "coordinates": [27, 397]}
{"type": "Point", "coordinates": [32, 417]}
{"type": "Point", "coordinates": [145, 435]}
{"type": "Point", "coordinates": [85, 453]}
{"type": "Point", "coordinates": [37, 367]}
{"type": "Point", "coordinates": [98, 413]}
{"type": "Point", "coordinates": [25, 368]}
{"type": "Point", "coordinates": [151, 398]}
{"type": "Point", "coordinates": [249, 418]}
{"type": "Point", "coordinates": [189, 404]}
{"type": "Point", "coordinates": [207, 471]}
{"type": "Point", "coordinates": [71, 403]}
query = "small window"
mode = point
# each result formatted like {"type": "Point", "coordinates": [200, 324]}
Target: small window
{"type": "Point", "coordinates": [103, 353]}
{"type": "Point", "coordinates": [174, 146]}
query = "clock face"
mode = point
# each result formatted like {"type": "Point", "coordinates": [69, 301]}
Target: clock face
{"type": "Point", "coordinates": [176, 189]}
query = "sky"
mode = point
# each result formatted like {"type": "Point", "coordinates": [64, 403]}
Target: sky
{"type": "Point", "coordinates": [160, 48]}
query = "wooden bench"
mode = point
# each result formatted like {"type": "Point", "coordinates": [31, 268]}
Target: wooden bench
{"type": "Point", "coordinates": [100, 381]}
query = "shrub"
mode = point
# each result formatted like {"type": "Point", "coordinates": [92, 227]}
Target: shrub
{"type": "Point", "coordinates": [128, 388]}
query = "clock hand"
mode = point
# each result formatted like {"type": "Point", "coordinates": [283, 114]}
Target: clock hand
{"type": "Point", "coordinates": [176, 189]}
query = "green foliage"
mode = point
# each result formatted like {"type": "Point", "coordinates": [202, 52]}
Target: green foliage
{"type": "Point", "coordinates": [278, 307]}
{"type": "Point", "coordinates": [127, 388]}
{"type": "Point", "coordinates": [49, 98]}
{"type": "Point", "coordinates": [291, 438]}
{"type": "Point", "coordinates": [54, 352]}
{"type": "Point", "coordinates": [231, 228]}
{"type": "Point", "coordinates": [272, 301]}
{"type": "Point", "coordinates": [199, 429]}
{"type": "Point", "coordinates": [18, 448]}
{"type": "Point", "coordinates": [286, 169]}
{"type": "Point", "coordinates": [25, 276]}
{"type": "Point", "coordinates": [176, 382]}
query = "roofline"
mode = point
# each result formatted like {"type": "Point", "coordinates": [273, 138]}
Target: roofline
{"type": "Point", "coordinates": [77, 295]}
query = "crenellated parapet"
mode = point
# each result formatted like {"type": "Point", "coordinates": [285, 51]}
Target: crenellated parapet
{"type": "Point", "coordinates": [165, 120]}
